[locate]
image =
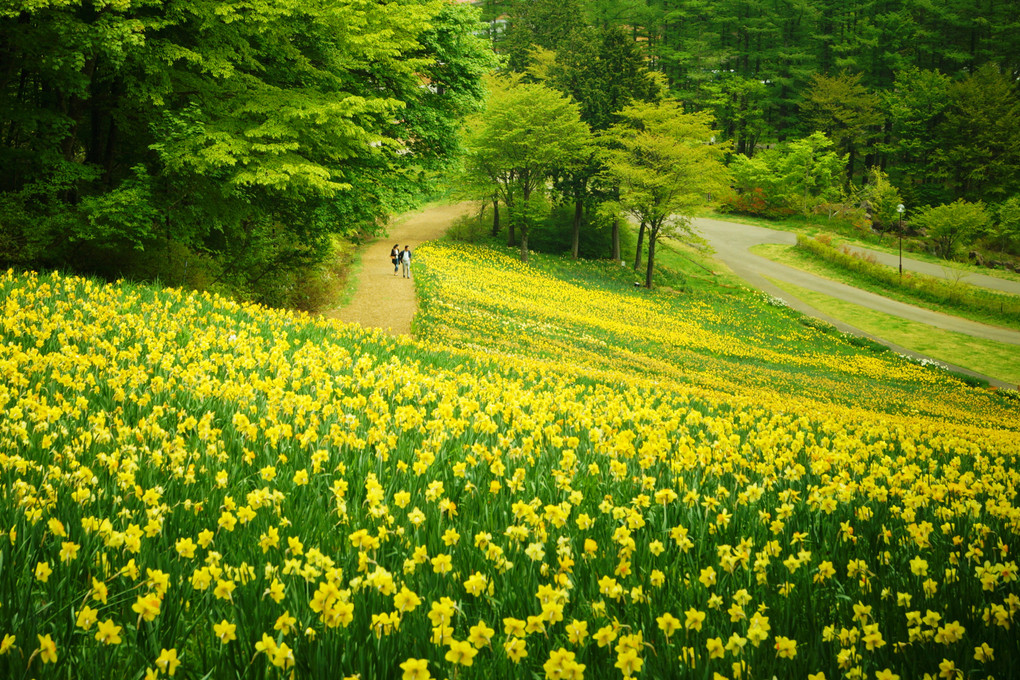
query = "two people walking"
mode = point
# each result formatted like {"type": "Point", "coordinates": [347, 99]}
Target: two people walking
{"type": "Point", "coordinates": [401, 259]}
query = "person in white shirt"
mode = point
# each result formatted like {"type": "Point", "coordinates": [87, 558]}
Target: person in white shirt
{"type": "Point", "coordinates": [405, 262]}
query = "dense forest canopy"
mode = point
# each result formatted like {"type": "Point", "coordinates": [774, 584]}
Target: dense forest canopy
{"type": "Point", "coordinates": [926, 91]}
{"type": "Point", "coordinates": [243, 137]}
{"type": "Point", "coordinates": [244, 132]}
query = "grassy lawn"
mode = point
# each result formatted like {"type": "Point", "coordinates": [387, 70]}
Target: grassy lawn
{"type": "Point", "coordinates": [793, 257]}
{"type": "Point", "coordinates": [995, 359]}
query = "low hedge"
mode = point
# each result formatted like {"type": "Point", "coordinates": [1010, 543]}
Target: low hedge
{"type": "Point", "coordinates": [928, 288]}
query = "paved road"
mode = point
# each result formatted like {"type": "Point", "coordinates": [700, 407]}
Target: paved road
{"type": "Point", "coordinates": [732, 243]}
{"type": "Point", "coordinates": [943, 272]}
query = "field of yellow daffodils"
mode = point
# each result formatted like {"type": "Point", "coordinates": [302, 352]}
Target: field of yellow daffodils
{"type": "Point", "coordinates": [558, 480]}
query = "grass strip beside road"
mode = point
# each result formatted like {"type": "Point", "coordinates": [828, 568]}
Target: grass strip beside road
{"type": "Point", "coordinates": [794, 257]}
{"type": "Point", "coordinates": [995, 359]}
{"type": "Point", "coordinates": [848, 236]}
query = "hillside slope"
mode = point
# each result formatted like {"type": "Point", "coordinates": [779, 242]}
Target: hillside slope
{"type": "Point", "coordinates": [560, 478]}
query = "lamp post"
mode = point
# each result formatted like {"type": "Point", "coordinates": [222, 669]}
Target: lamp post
{"type": "Point", "coordinates": [900, 209]}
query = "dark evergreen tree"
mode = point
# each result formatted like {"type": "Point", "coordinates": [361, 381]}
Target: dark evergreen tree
{"type": "Point", "coordinates": [981, 136]}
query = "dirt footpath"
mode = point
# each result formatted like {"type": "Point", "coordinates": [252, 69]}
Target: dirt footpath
{"type": "Point", "coordinates": [382, 300]}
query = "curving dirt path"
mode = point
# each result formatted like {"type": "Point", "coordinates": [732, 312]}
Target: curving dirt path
{"type": "Point", "coordinates": [382, 299]}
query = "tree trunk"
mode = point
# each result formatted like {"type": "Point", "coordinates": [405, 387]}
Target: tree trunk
{"type": "Point", "coordinates": [651, 258]}
{"type": "Point", "coordinates": [578, 214]}
{"type": "Point", "coordinates": [109, 157]}
{"type": "Point", "coordinates": [640, 240]}
{"type": "Point", "coordinates": [616, 241]}
{"type": "Point", "coordinates": [495, 216]}
{"type": "Point", "coordinates": [851, 161]}
{"type": "Point", "coordinates": [511, 240]}
{"type": "Point", "coordinates": [525, 214]}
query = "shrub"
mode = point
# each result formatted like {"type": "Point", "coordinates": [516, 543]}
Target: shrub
{"type": "Point", "coordinates": [754, 202]}
{"type": "Point", "coordinates": [939, 291]}
{"type": "Point", "coordinates": [948, 226]}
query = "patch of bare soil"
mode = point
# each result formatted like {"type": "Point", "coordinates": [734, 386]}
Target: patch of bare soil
{"type": "Point", "coordinates": [386, 300]}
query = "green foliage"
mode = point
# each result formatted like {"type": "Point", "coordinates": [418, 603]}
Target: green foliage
{"type": "Point", "coordinates": [224, 126]}
{"type": "Point", "coordinates": [754, 202]}
{"type": "Point", "coordinates": [948, 226]}
{"type": "Point", "coordinates": [553, 235]}
{"type": "Point", "coordinates": [471, 228]}
{"type": "Point", "coordinates": [881, 199]}
{"type": "Point", "coordinates": [846, 111]}
{"type": "Point", "coordinates": [458, 59]}
{"type": "Point", "coordinates": [550, 231]}
{"type": "Point", "coordinates": [527, 131]}
{"type": "Point", "coordinates": [739, 104]}
{"type": "Point", "coordinates": [538, 23]}
{"type": "Point", "coordinates": [915, 110]}
{"type": "Point", "coordinates": [1005, 232]}
{"type": "Point", "coordinates": [604, 71]}
{"type": "Point", "coordinates": [924, 288]}
{"type": "Point", "coordinates": [126, 214]}
{"type": "Point", "coordinates": [981, 135]}
{"type": "Point", "coordinates": [798, 175]}
{"type": "Point", "coordinates": [34, 218]}
{"type": "Point", "coordinates": [760, 67]}
{"type": "Point", "coordinates": [665, 163]}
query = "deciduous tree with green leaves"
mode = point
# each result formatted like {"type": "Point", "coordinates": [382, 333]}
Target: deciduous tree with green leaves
{"type": "Point", "coordinates": [948, 226]}
{"type": "Point", "coordinates": [249, 131]}
{"type": "Point", "coordinates": [666, 163]}
{"type": "Point", "coordinates": [796, 176]}
{"type": "Point", "coordinates": [880, 198]}
{"type": "Point", "coordinates": [527, 131]}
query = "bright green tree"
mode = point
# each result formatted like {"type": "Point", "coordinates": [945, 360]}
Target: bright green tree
{"type": "Point", "coordinates": [948, 226]}
{"type": "Point", "coordinates": [250, 132]}
{"type": "Point", "coordinates": [666, 163]}
{"type": "Point", "coordinates": [527, 131]}
{"type": "Point", "coordinates": [880, 198]}
{"type": "Point", "coordinates": [797, 175]}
